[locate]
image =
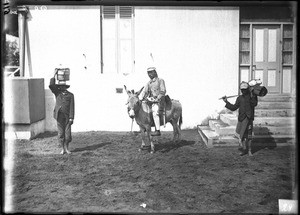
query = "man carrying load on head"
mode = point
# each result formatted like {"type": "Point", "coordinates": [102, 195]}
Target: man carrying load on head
{"type": "Point", "coordinates": [63, 111]}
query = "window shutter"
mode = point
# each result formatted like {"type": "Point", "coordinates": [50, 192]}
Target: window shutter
{"type": "Point", "coordinates": [109, 12]}
{"type": "Point", "coordinates": [126, 12]}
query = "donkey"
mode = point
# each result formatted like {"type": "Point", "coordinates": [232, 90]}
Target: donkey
{"type": "Point", "coordinates": [141, 112]}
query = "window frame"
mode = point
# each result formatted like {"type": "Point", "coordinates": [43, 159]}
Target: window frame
{"type": "Point", "coordinates": [106, 13]}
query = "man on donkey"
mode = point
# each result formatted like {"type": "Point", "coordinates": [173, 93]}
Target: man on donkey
{"type": "Point", "coordinates": [154, 92]}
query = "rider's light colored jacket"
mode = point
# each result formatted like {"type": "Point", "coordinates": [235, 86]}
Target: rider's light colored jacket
{"type": "Point", "coordinates": [155, 88]}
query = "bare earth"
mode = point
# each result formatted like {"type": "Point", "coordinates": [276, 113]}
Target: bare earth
{"type": "Point", "coordinates": [106, 173]}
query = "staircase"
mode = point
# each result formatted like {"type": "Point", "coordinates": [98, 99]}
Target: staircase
{"type": "Point", "coordinates": [274, 122]}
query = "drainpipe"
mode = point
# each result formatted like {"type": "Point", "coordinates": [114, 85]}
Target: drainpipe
{"type": "Point", "coordinates": [22, 14]}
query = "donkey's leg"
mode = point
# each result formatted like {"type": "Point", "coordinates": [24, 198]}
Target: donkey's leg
{"type": "Point", "coordinates": [175, 130]}
{"type": "Point", "coordinates": [151, 141]}
{"type": "Point", "coordinates": [178, 131]}
{"type": "Point", "coordinates": [152, 145]}
{"type": "Point", "coordinates": [143, 139]}
{"type": "Point", "coordinates": [143, 144]}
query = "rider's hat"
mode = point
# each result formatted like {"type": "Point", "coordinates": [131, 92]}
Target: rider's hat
{"type": "Point", "coordinates": [151, 69]}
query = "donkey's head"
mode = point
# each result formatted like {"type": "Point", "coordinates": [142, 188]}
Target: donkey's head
{"type": "Point", "coordinates": [133, 101]}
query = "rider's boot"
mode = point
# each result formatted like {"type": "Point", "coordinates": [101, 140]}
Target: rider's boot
{"type": "Point", "coordinates": [157, 125]}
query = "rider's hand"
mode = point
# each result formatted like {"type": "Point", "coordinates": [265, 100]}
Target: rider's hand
{"type": "Point", "coordinates": [224, 98]}
{"type": "Point", "coordinates": [151, 99]}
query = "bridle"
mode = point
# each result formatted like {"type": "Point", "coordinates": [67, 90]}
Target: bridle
{"type": "Point", "coordinates": [136, 106]}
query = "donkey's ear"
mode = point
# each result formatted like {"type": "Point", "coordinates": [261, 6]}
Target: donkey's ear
{"type": "Point", "coordinates": [138, 93]}
{"type": "Point", "coordinates": [128, 92]}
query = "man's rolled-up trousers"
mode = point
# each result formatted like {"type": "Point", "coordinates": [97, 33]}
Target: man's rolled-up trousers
{"type": "Point", "coordinates": [64, 128]}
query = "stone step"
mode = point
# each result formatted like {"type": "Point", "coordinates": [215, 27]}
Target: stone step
{"type": "Point", "coordinates": [274, 130]}
{"type": "Point", "coordinates": [231, 119]}
{"type": "Point", "coordinates": [261, 141]}
{"type": "Point", "coordinates": [274, 105]}
{"type": "Point", "coordinates": [274, 121]}
{"type": "Point", "coordinates": [275, 112]}
{"type": "Point", "coordinates": [221, 128]}
{"type": "Point", "coordinates": [212, 139]}
{"type": "Point", "coordinates": [207, 135]}
{"type": "Point", "coordinates": [277, 98]}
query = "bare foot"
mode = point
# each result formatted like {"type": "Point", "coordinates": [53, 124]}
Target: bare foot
{"type": "Point", "coordinates": [68, 152]}
{"type": "Point", "coordinates": [62, 152]}
{"type": "Point", "coordinates": [244, 152]}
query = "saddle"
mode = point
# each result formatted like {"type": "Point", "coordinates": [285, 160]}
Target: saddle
{"type": "Point", "coordinates": [165, 105]}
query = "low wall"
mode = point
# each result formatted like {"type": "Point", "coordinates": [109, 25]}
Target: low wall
{"type": "Point", "coordinates": [24, 107]}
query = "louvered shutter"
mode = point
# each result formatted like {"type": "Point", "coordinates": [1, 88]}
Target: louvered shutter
{"type": "Point", "coordinates": [109, 12]}
{"type": "Point", "coordinates": [126, 12]}
{"type": "Point", "coordinates": [117, 39]}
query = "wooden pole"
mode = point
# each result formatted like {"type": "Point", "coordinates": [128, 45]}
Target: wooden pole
{"type": "Point", "coordinates": [22, 13]}
{"type": "Point", "coordinates": [27, 47]}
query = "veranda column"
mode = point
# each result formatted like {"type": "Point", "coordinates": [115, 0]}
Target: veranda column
{"type": "Point", "coordinates": [22, 14]}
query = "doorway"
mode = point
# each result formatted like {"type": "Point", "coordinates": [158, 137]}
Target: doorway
{"type": "Point", "coordinates": [266, 56]}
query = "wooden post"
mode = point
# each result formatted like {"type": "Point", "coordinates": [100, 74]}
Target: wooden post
{"type": "Point", "coordinates": [22, 14]}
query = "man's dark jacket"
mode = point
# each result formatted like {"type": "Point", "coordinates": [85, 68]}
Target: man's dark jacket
{"type": "Point", "coordinates": [64, 101]}
{"type": "Point", "coordinates": [246, 105]}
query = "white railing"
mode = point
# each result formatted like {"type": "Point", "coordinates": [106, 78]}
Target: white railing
{"type": "Point", "coordinates": [9, 73]}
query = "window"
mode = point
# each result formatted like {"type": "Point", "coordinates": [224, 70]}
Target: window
{"type": "Point", "coordinates": [117, 39]}
{"type": "Point", "coordinates": [245, 52]}
{"type": "Point", "coordinates": [287, 57]}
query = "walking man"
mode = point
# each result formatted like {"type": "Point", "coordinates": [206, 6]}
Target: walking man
{"type": "Point", "coordinates": [246, 104]}
{"type": "Point", "coordinates": [63, 112]}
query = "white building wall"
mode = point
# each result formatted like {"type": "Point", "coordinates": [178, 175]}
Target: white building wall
{"type": "Point", "coordinates": [195, 50]}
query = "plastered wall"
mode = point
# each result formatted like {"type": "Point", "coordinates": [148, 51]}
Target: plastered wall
{"type": "Point", "coordinates": [195, 50]}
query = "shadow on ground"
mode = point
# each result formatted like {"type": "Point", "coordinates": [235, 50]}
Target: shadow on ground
{"type": "Point", "coordinates": [46, 134]}
{"type": "Point", "coordinates": [170, 145]}
{"type": "Point", "coordinates": [261, 143]}
{"type": "Point", "coordinates": [92, 147]}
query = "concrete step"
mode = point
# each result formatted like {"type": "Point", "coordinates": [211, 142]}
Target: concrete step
{"type": "Point", "coordinates": [274, 121]}
{"type": "Point", "coordinates": [212, 139]}
{"type": "Point", "coordinates": [221, 128]}
{"type": "Point", "coordinates": [275, 112]}
{"type": "Point", "coordinates": [274, 105]}
{"type": "Point", "coordinates": [231, 120]}
{"type": "Point", "coordinates": [277, 98]}
{"type": "Point", "coordinates": [274, 130]}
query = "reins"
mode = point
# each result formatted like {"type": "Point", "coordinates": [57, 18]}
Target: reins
{"type": "Point", "coordinates": [131, 124]}
{"type": "Point", "coordinates": [138, 105]}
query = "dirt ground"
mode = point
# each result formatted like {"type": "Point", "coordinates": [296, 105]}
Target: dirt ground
{"type": "Point", "coordinates": [107, 173]}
